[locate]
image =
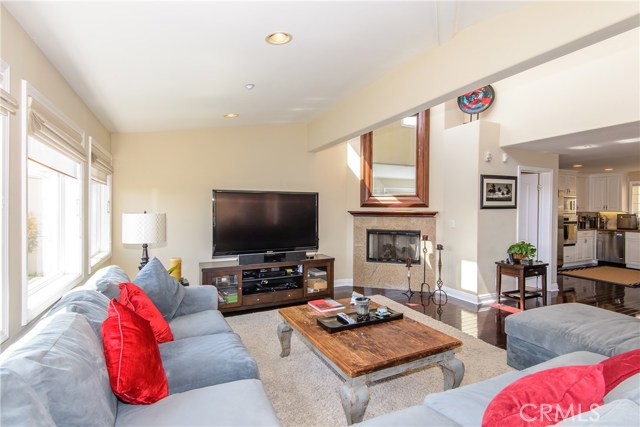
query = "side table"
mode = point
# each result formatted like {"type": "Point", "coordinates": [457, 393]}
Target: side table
{"type": "Point", "coordinates": [521, 272]}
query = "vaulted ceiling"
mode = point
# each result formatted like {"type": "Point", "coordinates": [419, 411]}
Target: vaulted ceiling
{"type": "Point", "coordinates": [160, 65]}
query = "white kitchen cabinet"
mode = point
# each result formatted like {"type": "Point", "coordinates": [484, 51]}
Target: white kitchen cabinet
{"type": "Point", "coordinates": [582, 193]}
{"type": "Point", "coordinates": [567, 183]}
{"type": "Point", "coordinates": [605, 193]}
{"type": "Point", "coordinates": [569, 254]}
{"type": "Point", "coordinates": [586, 246]}
{"type": "Point", "coordinates": [632, 249]}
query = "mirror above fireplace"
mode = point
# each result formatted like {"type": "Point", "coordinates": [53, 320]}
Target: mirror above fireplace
{"type": "Point", "coordinates": [395, 164]}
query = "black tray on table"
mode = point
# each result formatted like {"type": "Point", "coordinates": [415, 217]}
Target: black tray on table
{"type": "Point", "coordinates": [332, 324]}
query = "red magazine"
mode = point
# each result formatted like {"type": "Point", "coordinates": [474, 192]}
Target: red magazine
{"type": "Point", "coordinates": [326, 304]}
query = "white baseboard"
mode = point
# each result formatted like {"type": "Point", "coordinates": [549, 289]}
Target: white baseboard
{"type": "Point", "coordinates": [342, 282]}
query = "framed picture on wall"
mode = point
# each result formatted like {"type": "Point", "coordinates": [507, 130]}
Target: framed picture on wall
{"type": "Point", "coordinates": [498, 192]}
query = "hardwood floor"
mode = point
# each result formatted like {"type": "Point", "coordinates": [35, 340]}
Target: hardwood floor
{"type": "Point", "coordinates": [487, 323]}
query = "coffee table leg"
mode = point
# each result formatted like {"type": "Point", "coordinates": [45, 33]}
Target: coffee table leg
{"type": "Point", "coordinates": [355, 398]}
{"type": "Point", "coordinates": [284, 335]}
{"type": "Point", "coordinates": [453, 370]}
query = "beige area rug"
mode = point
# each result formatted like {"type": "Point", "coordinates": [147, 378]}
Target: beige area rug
{"type": "Point", "coordinates": [608, 274]}
{"type": "Point", "coordinates": [305, 391]}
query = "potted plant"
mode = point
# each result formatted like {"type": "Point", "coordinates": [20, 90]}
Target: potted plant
{"type": "Point", "coordinates": [521, 251]}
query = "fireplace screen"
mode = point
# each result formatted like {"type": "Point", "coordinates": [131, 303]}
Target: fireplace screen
{"type": "Point", "coordinates": [393, 246]}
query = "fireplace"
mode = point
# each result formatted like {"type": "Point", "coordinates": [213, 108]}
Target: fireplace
{"type": "Point", "coordinates": [393, 246]}
{"type": "Point", "coordinates": [393, 274]}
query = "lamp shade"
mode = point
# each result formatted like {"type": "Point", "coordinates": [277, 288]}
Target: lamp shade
{"type": "Point", "coordinates": [140, 228]}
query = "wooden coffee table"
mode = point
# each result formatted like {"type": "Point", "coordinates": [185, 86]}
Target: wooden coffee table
{"type": "Point", "coordinates": [370, 353]}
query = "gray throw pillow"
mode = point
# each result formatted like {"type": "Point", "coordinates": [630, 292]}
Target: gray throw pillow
{"type": "Point", "coordinates": [160, 287]}
{"type": "Point", "coordinates": [106, 281]}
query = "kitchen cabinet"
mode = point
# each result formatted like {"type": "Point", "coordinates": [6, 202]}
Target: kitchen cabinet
{"type": "Point", "coordinates": [605, 193]}
{"type": "Point", "coordinates": [567, 183]}
{"type": "Point", "coordinates": [569, 254]}
{"type": "Point", "coordinates": [585, 246]}
{"type": "Point", "coordinates": [582, 193]}
{"type": "Point", "coordinates": [632, 249]}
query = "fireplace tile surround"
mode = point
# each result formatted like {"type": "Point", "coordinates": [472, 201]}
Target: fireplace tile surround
{"type": "Point", "coordinates": [389, 275]}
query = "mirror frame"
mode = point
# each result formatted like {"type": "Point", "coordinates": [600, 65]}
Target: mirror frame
{"type": "Point", "coordinates": [421, 198]}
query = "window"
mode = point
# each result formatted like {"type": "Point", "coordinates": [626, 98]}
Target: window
{"type": "Point", "coordinates": [8, 106]}
{"type": "Point", "coordinates": [54, 206]}
{"type": "Point", "coordinates": [100, 204]}
{"type": "Point", "coordinates": [634, 197]}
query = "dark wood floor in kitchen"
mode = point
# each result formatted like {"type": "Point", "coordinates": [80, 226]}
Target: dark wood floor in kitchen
{"type": "Point", "coordinates": [487, 323]}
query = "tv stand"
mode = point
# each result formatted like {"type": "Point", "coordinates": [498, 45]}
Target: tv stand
{"type": "Point", "coordinates": [270, 283]}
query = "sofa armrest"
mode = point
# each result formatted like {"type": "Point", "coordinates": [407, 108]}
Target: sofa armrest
{"type": "Point", "coordinates": [198, 298]}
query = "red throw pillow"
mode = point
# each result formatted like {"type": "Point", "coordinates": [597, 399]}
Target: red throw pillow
{"type": "Point", "coordinates": [547, 397]}
{"type": "Point", "coordinates": [619, 368]}
{"type": "Point", "coordinates": [133, 359]}
{"type": "Point", "coordinates": [134, 298]}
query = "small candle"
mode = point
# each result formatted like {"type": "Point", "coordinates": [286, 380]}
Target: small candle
{"type": "Point", "coordinates": [408, 262]}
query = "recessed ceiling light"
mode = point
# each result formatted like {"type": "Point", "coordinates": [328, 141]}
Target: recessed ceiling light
{"type": "Point", "coordinates": [249, 86]}
{"type": "Point", "coordinates": [608, 169]}
{"type": "Point", "coordinates": [577, 166]}
{"type": "Point", "coordinates": [583, 147]}
{"type": "Point", "coordinates": [279, 38]}
{"type": "Point", "coordinates": [231, 115]}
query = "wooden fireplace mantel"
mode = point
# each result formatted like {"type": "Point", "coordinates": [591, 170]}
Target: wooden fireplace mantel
{"type": "Point", "coordinates": [427, 214]}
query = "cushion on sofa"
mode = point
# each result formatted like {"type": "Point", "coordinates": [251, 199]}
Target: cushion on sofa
{"type": "Point", "coordinates": [207, 360]}
{"type": "Point", "coordinates": [413, 416]}
{"type": "Point", "coordinates": [627, 389]}
{"type": "Point", "coordinates": [620, 367]}
{"type": "Point", "coordinates": [134, 298]}
{"type": "Point", "coordinates": [61, 359]}
{"type": "Point", "coordinates": [564, 328]}
{"type": "Point", "coordinates": [106, 281]}
{"type": "Point", "coordinates": [91, 304]}
{"type": "Point", "coordinates": [621, 412]}
{"type": "Point", "coordinates": [547, 397]}
{"type": "Point", "coordinates": [197, 324]}
{"type": "Point", "coordinates": [21, 405]}
{"type": "Point", "coordinates": [160, 287]}
{"type": "Point", "coordinates": [475, 398]}
{"type": "Point", "coordinates": [238, 403]}
{"type": "Point", "coordinates": [132, 357]}
{"type": "Point", "coordinates": [198, 298]}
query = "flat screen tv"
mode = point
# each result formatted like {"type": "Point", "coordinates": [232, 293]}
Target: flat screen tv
{"type": "Point", "coordinates": [250, 222]}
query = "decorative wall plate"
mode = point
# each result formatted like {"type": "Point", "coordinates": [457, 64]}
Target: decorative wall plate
{"type": "Point", "coordinates": [477, 100]}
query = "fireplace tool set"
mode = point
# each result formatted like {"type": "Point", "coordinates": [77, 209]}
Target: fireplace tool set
{"type": "Point", "coordinates": [438, 293]}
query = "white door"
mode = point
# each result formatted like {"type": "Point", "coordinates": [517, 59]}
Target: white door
{"type": "Point", "coordinates": [528, 208]}
{"type": "Point", "coordinates": [535, 218]}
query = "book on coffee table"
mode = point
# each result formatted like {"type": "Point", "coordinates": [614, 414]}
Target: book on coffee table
{"type": "Point", "coordinates": [325, 304]}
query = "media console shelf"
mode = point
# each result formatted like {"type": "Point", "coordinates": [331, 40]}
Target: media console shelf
{"type": "Point", "coordinates": [245, 287]}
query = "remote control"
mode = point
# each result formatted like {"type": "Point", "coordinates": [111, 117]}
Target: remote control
{"type": "Point", "coordinates": [343, 318]}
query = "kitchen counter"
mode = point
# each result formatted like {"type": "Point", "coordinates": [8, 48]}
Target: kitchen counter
{"type": "Point", "coordinates": [608, 229]}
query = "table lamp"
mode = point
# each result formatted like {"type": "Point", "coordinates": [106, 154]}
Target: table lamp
{"type": "Point", "coordinates": [144, 228]}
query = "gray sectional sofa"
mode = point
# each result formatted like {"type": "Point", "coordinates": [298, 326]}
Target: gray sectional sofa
{"type": "Point", "coordinates": [545, 337]}
{"type": "Point", "coordinates": [56, 374]}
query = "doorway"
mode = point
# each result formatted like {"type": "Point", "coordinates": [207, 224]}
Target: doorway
{"type": "Point", "coordinates": [536, 217]}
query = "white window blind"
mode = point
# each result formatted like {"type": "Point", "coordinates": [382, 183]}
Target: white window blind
{"type": "Point", "coordinates": [8, 104]}
{"type": "Point", "coordinates": [52, 130]}
{"type": "Point", "coordinates": [101, 163]}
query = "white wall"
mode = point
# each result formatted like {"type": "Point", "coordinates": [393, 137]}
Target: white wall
{"type": "Point", "coordinates": [595, 87]}
{"type": "Point", "coordinates": [174, 173]}
{"type": "Point", "coordinates": [484, 53]}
